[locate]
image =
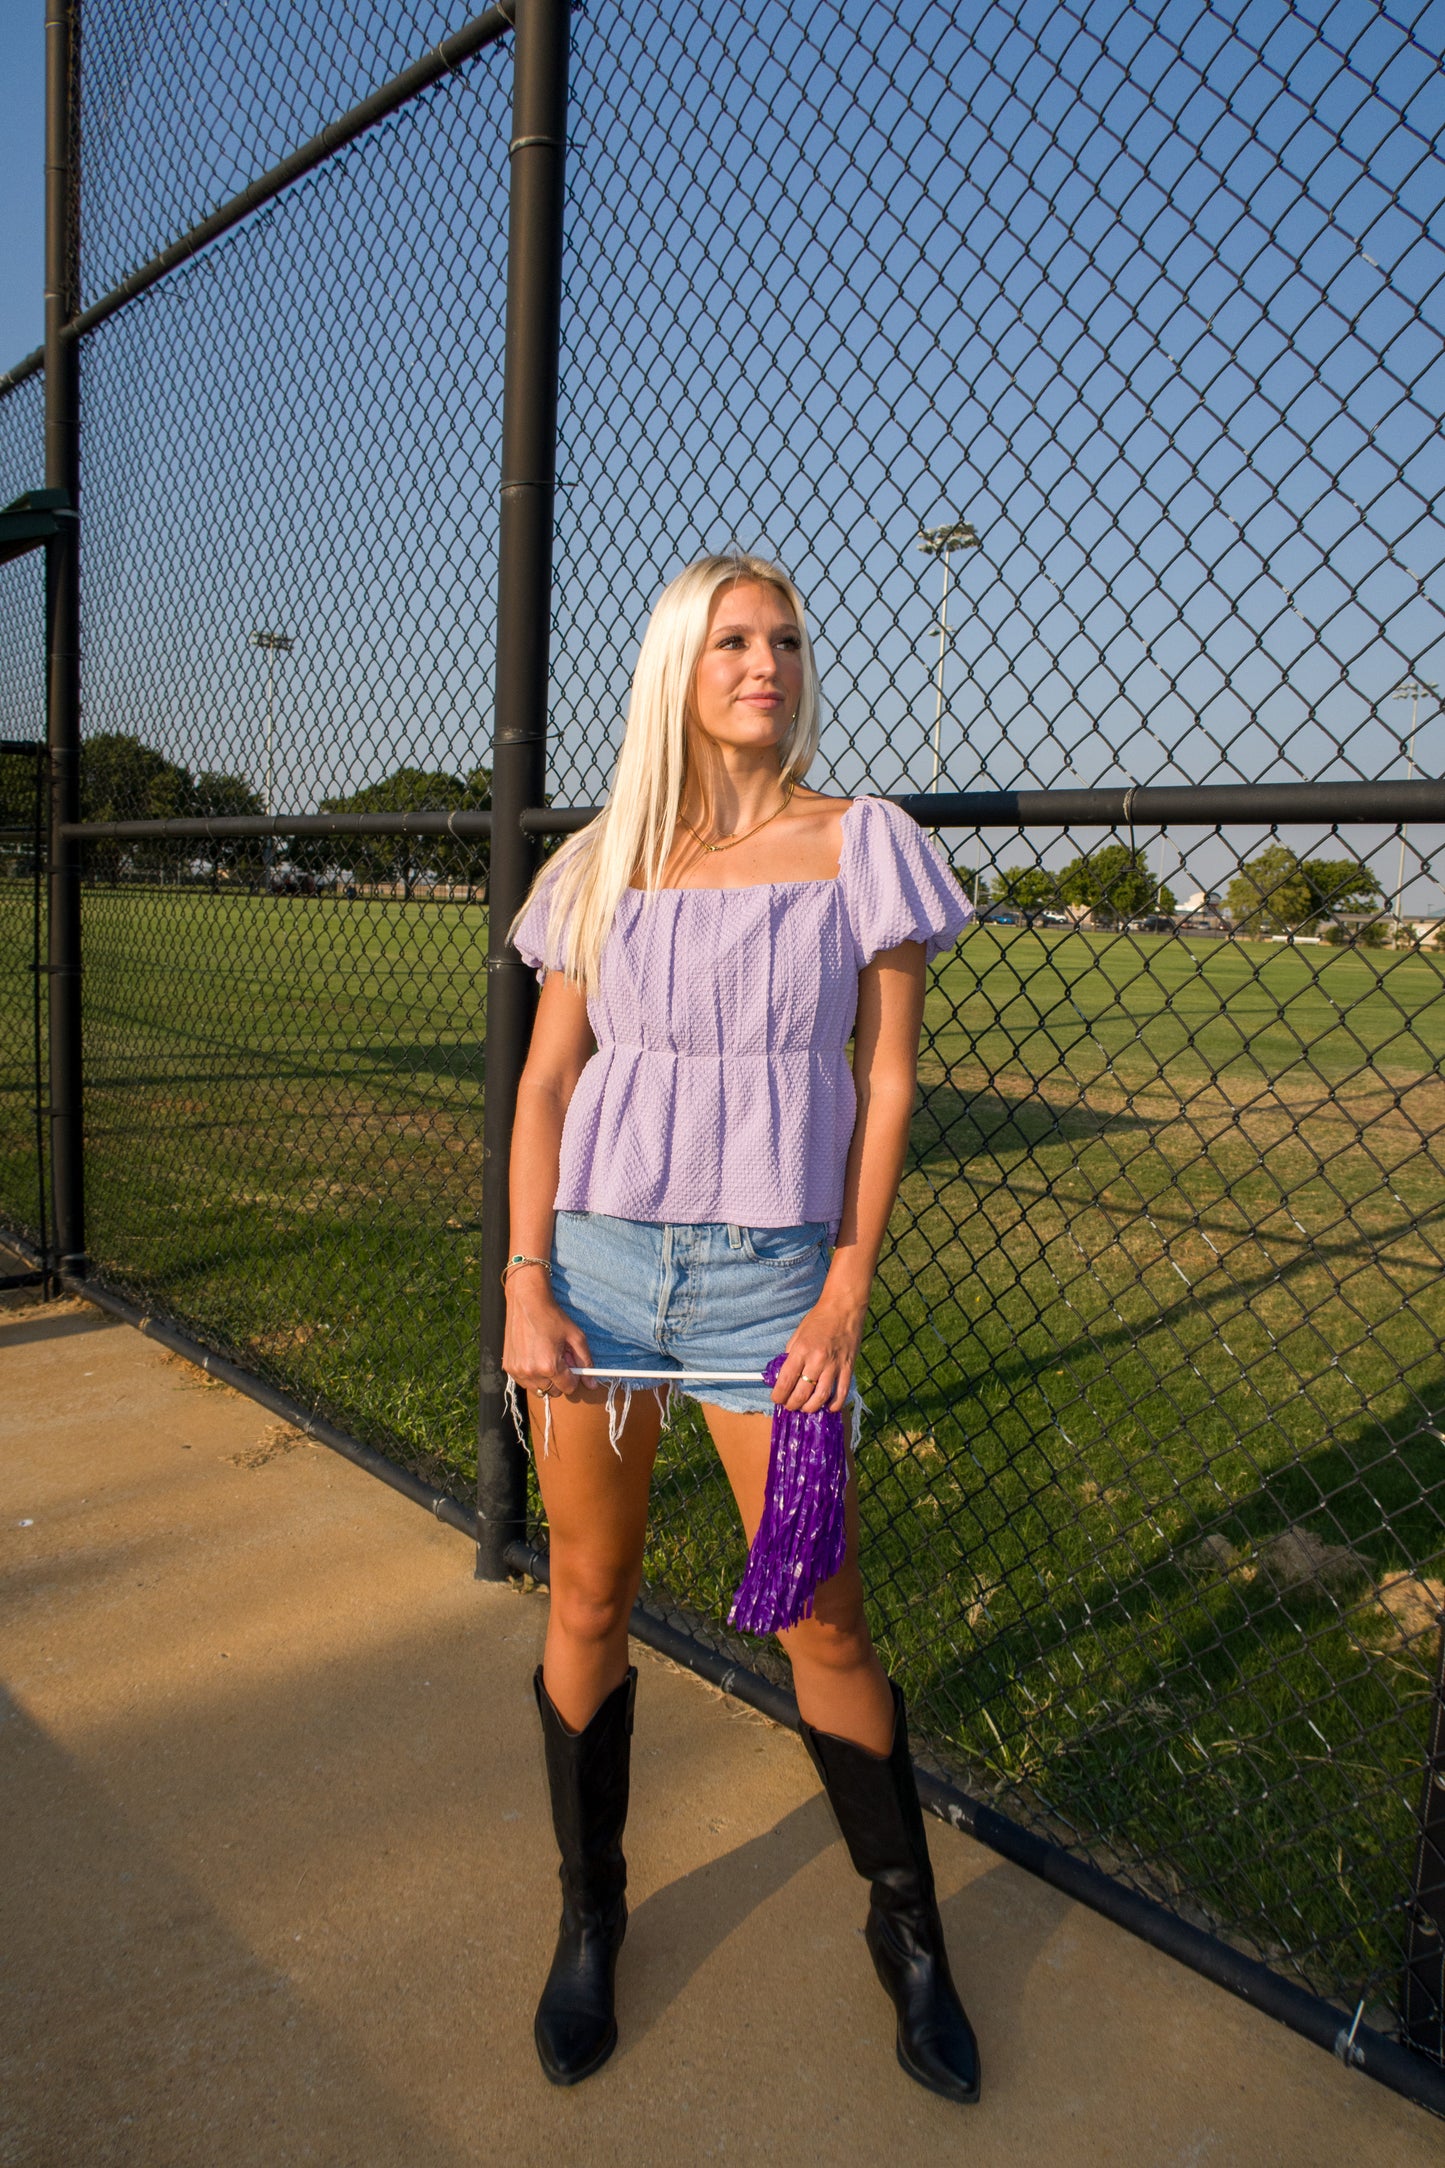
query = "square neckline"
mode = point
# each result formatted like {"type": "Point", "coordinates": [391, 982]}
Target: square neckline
{"type": "Point", "coordinates": [753, 888]}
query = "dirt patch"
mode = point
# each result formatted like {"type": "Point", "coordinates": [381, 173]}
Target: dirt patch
{"type": "Point", "coordinates": [1213, 1554]}
{"type": "Point", "coordinates": [285, 1340]}
{"type": "Point", "coordinates": [1293, 1560]}
{"type": "Point", "coordinates": [279, 1439]}
{"type": "Point", "coordinates": [913, 1445]}
{"type": "Point", "coordinates": [1409, 1607]}
{"type": "Point", "coordinates": [1413, 1605]}
{"type": "Point", "coordinates": [1209, 1106]}
{"type": "Point", "coordinates": [1296, 1558]}
{"type": "Point", "coordinates": [192, 1373]}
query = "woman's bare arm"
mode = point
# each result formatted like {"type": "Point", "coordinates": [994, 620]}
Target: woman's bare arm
{"type": "Point", "coordinates": [542, 1344]}
{"type": "Point", "coordinates": [885, 1074]}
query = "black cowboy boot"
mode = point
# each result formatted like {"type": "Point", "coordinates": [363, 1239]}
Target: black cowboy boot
{"type": "Point", "coordinates": [875, 1799]}
{"type": "Point", "coordinates": [587, 1772]}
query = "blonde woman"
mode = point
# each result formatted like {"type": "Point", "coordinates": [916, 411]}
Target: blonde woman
{"type": "Point", "coordinates": [698, 1181]}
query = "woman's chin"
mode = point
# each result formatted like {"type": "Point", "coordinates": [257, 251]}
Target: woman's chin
{"type": "Point", "coordinates": [763, 736]}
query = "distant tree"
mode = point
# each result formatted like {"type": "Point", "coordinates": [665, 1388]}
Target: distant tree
{"type": "Point", "coordinates": [468, 858]}
{"type": "Point", "coordinates": [1114, 883]}
{"type": "Point", "coordinates": [225, 797]}
{"type": "Point", "coordinates": [1280, 893]}
{"type": "Point", "coordinates": [1028, 888]}
{"type": "Point", "coordinates": [1340, 884]}
{"type": "Point", "coordinates": [409, 858]}
{"type": "Point", "coordinates": [17, 807]}
{"type": "Point", "coordinates": [123, 779]}
{"type": "Point", "coordinates": [405, 790]}
{"type": "Point", "coordinates": [1271, 894]}
{"type": "Point", "coordinates": [230, 797]}
{"type": "Point", "coordinates": [1372, 934]}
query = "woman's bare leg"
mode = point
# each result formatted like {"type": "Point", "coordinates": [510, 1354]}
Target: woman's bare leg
{"type": "Point", "coordinates": [596, 1519]}
{"type": "Point", "coordinates": [840, 1684]}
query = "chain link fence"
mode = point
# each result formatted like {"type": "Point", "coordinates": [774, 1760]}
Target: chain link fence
{"type": "Point", "coordinates": [1154, 1489]}
{"type": "Point", "coordinates": [1152, 1485]}
{"type": "Point", "coordinates": [1154, 309]}
{"type": "Point", "coordinates": [289, 604]}
{"type": "Point", "coordinates": [1084, 369]}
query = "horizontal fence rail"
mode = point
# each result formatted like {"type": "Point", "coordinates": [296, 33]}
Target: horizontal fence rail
{"type": "Point", "coordinates": [1143, 806]}
{"type": "Point", "coordinates": [1192, 805]}
{"type": "Point", "coordinates": [248, 827]}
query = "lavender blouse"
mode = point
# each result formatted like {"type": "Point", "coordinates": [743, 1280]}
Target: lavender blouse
{"type": "Point", "coordinates": [721, 1089]}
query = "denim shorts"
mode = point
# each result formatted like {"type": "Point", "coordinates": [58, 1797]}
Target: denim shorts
{"type": "Point", "coordinates": [653, 1296]}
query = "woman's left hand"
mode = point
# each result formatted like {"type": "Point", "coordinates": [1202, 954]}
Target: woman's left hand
{"type": "Point", "coordinates": [821, 1357]}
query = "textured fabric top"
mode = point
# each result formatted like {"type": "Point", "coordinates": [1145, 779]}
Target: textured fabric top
{"type": "Point", "coordinates": [721, 1089]}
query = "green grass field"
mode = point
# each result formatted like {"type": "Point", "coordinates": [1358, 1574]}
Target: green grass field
{"type": "Point", "coordinates": [1159, 1335]}
{"type": "Point", "coordinates": [1154, 1491]}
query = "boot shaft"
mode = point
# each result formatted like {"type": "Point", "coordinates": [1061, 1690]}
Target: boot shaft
{"type": "Point", "coordinates": [588, 1774]}
{"type": "Point", "coordinates": [875, 1799]}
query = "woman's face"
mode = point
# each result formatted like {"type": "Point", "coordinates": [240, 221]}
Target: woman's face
{"type": "Point", "coordinates": [750, 674]}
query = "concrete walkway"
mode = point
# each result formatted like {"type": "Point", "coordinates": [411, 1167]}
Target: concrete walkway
{"type": "Point", "coordinates": [278, 1883]}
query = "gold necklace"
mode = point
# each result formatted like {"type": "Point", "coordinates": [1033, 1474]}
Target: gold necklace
{"type": "Point", "coordinates": [729, 842]}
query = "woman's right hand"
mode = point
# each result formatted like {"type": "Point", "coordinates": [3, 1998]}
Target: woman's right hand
{"type": "Point", "coordinates": [542, 1347]}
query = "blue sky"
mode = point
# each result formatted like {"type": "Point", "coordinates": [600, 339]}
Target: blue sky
{"type": "Point", "coordinates": [1150, 293]}
{"type": "Point", "coordinates": [22, 176]}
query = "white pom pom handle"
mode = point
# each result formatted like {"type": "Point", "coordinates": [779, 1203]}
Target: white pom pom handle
{"type": "Point", "coordinates": [679, 1377]}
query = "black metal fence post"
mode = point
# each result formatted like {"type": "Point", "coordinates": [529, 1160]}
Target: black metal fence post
{"type": "Point", "coordinates": [524, 597]}
{"type": "Point", "coordinates": [62, 624]}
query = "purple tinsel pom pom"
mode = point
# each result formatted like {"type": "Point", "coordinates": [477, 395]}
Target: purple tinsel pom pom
{"type": "Point", "coordinates": [801, 1537]}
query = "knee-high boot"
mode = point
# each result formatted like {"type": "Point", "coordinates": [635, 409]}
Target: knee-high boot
{"type": "Point", "coordinates": [876, 1801]}
{"type": "Point", "coordinates": [587, 1776]}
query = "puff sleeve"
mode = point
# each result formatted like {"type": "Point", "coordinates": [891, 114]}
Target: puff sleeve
{"type": "Point", "coordinates": [897, 884]}
{"type": "Point", "coordinates": [531, 937]}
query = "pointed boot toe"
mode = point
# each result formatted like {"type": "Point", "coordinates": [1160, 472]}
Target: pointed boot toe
{"type": "Point", "coordinates": [575, 2027]}
{"type": "Point", "coordinates": [936, 2043]}
{"type": "Point", "coordinates": [946, 2066]}
{"type": "Point", "coordinates": [568, 2051]}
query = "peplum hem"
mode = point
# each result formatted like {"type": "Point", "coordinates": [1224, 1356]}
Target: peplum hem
{"type": "Point", "coordinates": [652, 1135]}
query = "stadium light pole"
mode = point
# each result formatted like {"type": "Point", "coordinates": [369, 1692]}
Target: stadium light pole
{"type": "Point", "coordinates": [272, 644]}
{"type": "Point", "coordinates": [1414, 689]}
{"type": "Point", "coordinates": [941, 542]}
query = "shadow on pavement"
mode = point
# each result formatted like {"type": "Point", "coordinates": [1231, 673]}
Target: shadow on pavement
{"type": "Point", "coordinates": [139, 2028]}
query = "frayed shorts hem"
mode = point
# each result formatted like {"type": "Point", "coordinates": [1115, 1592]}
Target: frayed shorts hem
{"type": "Point", "coordinates": [713, 1296]}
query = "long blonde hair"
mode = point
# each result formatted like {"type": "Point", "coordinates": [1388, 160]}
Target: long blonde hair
{"type": "Point", "coordinates": [586, 880]}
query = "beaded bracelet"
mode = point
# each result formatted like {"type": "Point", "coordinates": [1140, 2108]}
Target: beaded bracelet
{"type": "Point", "coordinates": [513, 1262]}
